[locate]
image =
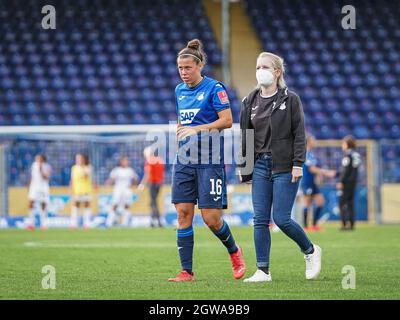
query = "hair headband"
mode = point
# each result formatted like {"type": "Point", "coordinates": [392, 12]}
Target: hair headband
{"type": "Point", "coordinates": [189, 54]}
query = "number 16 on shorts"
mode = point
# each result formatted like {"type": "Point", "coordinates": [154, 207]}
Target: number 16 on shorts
{"type": "Point", "coordinates": [216, 187]}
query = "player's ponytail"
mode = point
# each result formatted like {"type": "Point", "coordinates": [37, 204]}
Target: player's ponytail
{"type": "Point", "coordinates": [194, 49]}
{"type": "Point", "coordinates": [194, 44]}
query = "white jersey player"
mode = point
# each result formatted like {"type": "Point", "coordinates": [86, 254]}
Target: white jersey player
{"type": "Point", "coordinates": [39, 190]}
{"type": "Point", "coordinates": [123, 178]}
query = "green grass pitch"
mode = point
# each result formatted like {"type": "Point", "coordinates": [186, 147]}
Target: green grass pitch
{"type": "Point", "coordinates": [135, 264]}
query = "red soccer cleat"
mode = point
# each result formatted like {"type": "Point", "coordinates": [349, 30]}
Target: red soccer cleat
{"type": "Point", "coordinates": [318, 228]}
{"type": "Point", "coordinates": [182, 277]}
{"type": "Point", "coordinates": [30, 228]}
{"type": "Point", "coordinates": [238, 265]}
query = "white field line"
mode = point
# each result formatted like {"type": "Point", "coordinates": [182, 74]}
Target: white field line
{"type": "Point", "coordinates": [172, 245]}
{"type": "Point", "coordinates": [55, 244]}
{"type": "Point", "coordinates": [89, 245]}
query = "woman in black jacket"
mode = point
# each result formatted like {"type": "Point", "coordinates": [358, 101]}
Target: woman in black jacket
{"type": "Point", "coordinates": [348, 181]}
{"type": "Point", "coordinates": [277, 148]}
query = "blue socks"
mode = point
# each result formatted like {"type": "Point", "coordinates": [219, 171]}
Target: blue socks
{"type": "Point", "coordinates": [317, 213]}
{"type": "Point", "coordinates": [305, 214]}
{"type": "Point", "coordinates": [226, 237]}
{"type": "Point", "coordinates": [185, 244]}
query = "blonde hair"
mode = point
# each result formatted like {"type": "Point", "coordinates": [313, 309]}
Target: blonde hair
{"type": "Point", "coordinates": [279, 64]}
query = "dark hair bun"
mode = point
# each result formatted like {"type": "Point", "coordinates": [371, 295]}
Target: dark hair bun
{"type": "Point", "coordinates": [195, 44]}
{"type": "Point", "coordinates": [194, 48]}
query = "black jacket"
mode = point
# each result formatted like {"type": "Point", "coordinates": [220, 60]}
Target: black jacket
{"type": "Point", "coordinates": [288, 141]}
{"type": "Point", "coordinates": [349, 172]}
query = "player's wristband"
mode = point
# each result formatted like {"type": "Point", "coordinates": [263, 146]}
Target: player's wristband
{"type": "Point", "coordinates": [295, 167]}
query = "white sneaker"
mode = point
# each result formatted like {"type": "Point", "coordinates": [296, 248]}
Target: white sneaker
{"type": "Point", "coordinates": [313, 263]}
{"type": "Point", "coordinates": [259, 276]}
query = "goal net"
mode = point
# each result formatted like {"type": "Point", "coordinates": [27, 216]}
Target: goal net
{"type": "Point", "coordinates": [105, 145]}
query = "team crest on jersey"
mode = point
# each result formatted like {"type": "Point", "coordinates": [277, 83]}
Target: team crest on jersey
{"type": "Point", "coordinates": [223, 97]}
{"type": "Point", "coordinates": [200, 96]}
{"type": "Point", "coordinates": [187, 115]}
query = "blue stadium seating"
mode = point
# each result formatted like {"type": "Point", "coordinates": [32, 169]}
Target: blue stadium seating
{"type": "Point", "coordinates": [113, 62]}
{"type": "Point", "coordinates": [103, 59]}
{"type": "Point", "coordinates": [347, 79]}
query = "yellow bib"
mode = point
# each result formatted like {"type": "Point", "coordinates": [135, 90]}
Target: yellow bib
{"type": "Point", "coordinates": [81, 184]}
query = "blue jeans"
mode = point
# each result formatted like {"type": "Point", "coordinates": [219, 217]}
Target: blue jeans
{"type": "Point", "coordinates": [274, 191]}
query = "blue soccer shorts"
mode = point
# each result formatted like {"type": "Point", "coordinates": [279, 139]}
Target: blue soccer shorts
{"type": "Point", "coordinates": [310, 189]}
{"type": "Point", "coordinates": [205, 186]}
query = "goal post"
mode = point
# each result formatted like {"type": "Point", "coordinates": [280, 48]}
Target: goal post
{"type": "Point", "coordinates": [3, 181]}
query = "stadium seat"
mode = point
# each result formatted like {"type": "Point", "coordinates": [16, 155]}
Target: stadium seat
{"type": "Point", "coordinates": [125, 57]}
{"type": "Point", "coordinates": [360, 70]}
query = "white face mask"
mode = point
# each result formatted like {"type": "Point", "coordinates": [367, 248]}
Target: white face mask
{"type": "Point", "coordinates": [264, 77]}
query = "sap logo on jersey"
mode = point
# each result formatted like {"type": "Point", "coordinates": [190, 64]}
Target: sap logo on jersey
{"type": "Point", "coordinates": [188, 115]}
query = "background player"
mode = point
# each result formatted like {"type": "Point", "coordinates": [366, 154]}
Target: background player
{"type": "Point", "coordinates": [123, 177]}
{"type": "Point", "coordinates": [348, 182]}
{"type": "Point", "coordinates": [202, 105]}
{"type": "Point", "coordinates": [153, 177]}
{"type": "Point", "coordinates": [81, 186]}
{"type": "Point", "coordinates": [309, 187]}
{"type": "Point", "coordinates": [39, 190]}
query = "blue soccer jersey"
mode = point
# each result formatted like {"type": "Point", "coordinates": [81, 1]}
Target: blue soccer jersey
{"type": "Point", "coordinates": [308, 177]}
{"type": "Point", "coordinates": [197, 106]}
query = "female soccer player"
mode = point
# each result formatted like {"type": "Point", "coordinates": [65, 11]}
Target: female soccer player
{"type": "Point", "coordinates": [123, 178]}
{"type": "Point", "coordinates": [203, 111]}
{"type": "Point", "coordinates": [81, 186]}
{"type": "Point", "coordinates": [39, 190]}
{"type": "Point", "coordinates": [309, 187]}
{"type": "Point", "coordinates": [276, 116]}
